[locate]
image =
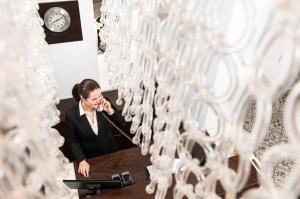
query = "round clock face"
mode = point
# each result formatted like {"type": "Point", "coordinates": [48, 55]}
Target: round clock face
{"type": "Point", "coordinates": [57, 19]}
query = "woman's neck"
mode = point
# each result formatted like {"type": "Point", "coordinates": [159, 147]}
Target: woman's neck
{"type": "Point", "coordinates": [86, 107]}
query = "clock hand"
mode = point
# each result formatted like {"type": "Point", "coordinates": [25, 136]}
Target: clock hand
{"type": "Point", "coordinates": [56, 20]}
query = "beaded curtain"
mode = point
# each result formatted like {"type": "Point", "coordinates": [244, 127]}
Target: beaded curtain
{"type": "Point", "coordinates": [30, 159]}
{"type": "Point", "coordinates": [160, 54]}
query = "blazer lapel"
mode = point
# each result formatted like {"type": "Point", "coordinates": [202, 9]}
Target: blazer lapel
{"type": "Point", "coordinates": [84, 122]}
{"type": "Point", "coordinates": [100, 122]}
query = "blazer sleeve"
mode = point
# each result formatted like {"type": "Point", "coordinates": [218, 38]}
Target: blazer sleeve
{"type": "Point", "coordinates": [73, 140]}
{"type": "Point", "coordinates": [117, 119]}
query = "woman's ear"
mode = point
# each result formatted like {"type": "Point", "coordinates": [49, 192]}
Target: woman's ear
{"type": "Point", "coordinates": [81, 98]}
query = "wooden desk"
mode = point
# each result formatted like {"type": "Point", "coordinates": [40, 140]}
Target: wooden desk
{"type": "Point", "coordinates": [131, 160]}
{"type": "Point", "coordinates": [126, 160]}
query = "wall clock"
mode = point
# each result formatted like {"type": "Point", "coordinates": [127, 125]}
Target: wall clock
{"type": "Point", "coordinates": [61, 21]}
{"type": "Point", "coordinates": [57, 19]}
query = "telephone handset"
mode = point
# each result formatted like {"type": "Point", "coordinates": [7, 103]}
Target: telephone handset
{"type": "Point", "coordinates": [100, 109]}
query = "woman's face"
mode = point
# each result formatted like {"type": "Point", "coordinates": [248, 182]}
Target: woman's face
{"type": "Point", "coordinates": [94, 98]}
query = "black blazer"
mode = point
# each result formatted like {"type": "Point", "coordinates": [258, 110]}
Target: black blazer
{"type": "Point", "coordinates": [83, 142]}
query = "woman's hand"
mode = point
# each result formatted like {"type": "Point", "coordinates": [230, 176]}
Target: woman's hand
{"type": "Point", "coordinates": [106, 106]}
{"type": "Point", "coordinates": [84, 168]}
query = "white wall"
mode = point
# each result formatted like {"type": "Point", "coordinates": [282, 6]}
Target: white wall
{"type": "Point", "coordinates": [74, 61]}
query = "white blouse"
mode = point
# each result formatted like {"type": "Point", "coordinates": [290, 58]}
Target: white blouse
{"type": "Point", "coordinates": [94, 125]}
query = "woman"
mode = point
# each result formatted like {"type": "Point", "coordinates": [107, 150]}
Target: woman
{"type": "Point", "coordinates": [89, 132]}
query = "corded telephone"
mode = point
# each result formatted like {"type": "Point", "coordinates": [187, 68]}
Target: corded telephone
{"type": "Point", "coordinates": [124, 177]}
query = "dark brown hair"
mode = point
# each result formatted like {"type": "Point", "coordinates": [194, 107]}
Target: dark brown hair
{"type": "Point", "coordinates": [84, 88]}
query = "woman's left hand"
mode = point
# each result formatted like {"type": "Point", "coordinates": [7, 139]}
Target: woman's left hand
{"type": "Point", "coordinates": [106, 106]}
